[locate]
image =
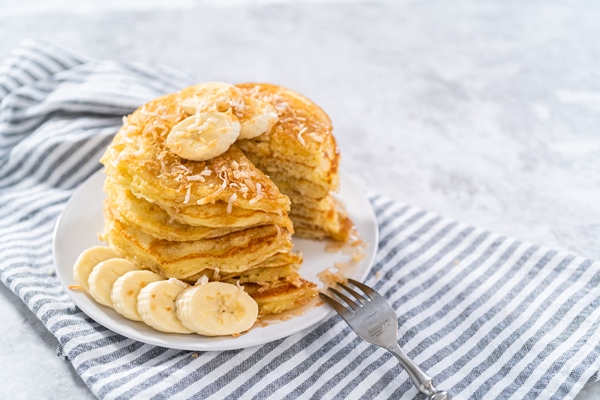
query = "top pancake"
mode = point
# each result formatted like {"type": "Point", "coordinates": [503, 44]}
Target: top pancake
{"type": "Point", "coordinates": [222, 192]}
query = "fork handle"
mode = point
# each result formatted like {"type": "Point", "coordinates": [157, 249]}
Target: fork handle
{"type": "Point", "coordinates": [421, 380]}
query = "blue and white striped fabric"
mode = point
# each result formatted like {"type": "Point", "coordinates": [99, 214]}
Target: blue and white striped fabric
{"type": "Point", "coordinates": [488, 316]}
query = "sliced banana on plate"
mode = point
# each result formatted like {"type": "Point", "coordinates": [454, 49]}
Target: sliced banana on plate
{"type": "Point", "coordinates": [88, 260]}
{"type": "Point", "coordinates": [216, 308]}
{"type": "Point", "coordinates": [103, 277]}
{"type": "Point", "coordinates": [125, 292]}
{"type": "Point", "coordinates": [172, 306]}
{"type": "Point", "coordinates": [156, 305]}
{"type": "Point", "coordinates": [203, 136]}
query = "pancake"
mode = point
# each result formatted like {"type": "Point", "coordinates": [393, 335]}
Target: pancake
{"type": "Point", "coordinates": [226, 191]}
{"type": "Point", "coordinates": [338, 228]}
{"type": "Point", "coordinates": [153, 220]}
{"type": "Point", "coordinates": [269, 270]}
{"type": "Point", "coordinates": [235, 252]}
{"type": "Point", "coordinates": [229, 217]}
{"type": "Point", "coordinates": [283, 295]}
{"type": "Point", "coordinates": [221, 200]}
{"type": "Point", "coordinates": [300, 155]}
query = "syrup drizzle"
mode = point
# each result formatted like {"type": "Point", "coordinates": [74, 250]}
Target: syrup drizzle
{"type": "Point", "coordinates": [339, 273]}
{"type": "Point", "coordinates": [266, 320]}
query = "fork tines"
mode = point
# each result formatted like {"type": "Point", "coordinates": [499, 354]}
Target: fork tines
{"type": "Point", "coordinates": [347, 303]}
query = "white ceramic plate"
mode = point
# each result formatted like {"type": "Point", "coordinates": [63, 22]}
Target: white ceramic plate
{"type": "Point", "coordinates": [81, 221]}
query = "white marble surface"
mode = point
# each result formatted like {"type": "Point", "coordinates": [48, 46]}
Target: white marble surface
{"type": "Point", "coordinates": [486, 112]}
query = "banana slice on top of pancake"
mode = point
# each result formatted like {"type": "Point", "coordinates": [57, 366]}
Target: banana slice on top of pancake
{"type": "Point", "coordinates": [204, 136]}
{"type": "Point", "coordinates": [261, 119]}
{"type": "Point", "coordinates": [220, 114]}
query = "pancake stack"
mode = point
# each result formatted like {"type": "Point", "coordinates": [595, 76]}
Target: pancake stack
{"type": "Point", "coordinates": [301, 156]}
{"type": "Point", "coordinates": [222, 217]}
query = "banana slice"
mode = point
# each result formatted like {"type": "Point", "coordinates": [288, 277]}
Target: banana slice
{"type": "Point", "coordinates": [125, 291]}
{"type": "Point", "coordinates": [213, 96]}
{"type": "Point", "coordinates": [262, 119]}
{"type": "Point", "coordinates": [204, 136]}
{"type": "Point", "coordinates": [103, 277]}
{"type": "Point", "coordinates": [88, 260]}
{"type": "Point", "coordinates": [156, 305]}
{"type": "Point", "coordinates": [216, 308]}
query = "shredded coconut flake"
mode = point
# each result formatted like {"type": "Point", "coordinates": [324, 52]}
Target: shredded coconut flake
{"type": "Point", "coordinates": [230, 203]}
{"type": "Point", "coordinates": [259, 194]}
{"type": "Point", "coordinates": [281, 106]}
{"type": "Point", "coordinates": [316, 137]}
{"type": "Point", "coordinates": [299, 136]}
{"type": "Point", "coordinates": [241, 174]}
{"type": "Point", "coordinates": [250, 184]}
{"type": "Point", "coordinates": [203, 280]}
{"type": "Point", "coordinates": [237, 104]}
{"type": "Point", "coordinates": [145, 112]}
{"type": "Point", "coordinates": [213, 196]}
{"type": "Point", "coordinates": [198, 177]}
{"type": "Point", "coordinates": [187, 195]}
{"type": "Point", "coordinates": [127, 138]}
{"type": "Point", "coordinates": [178, 282]}
{"type": "Point", "coordinates": [263, 286]}
{"type": "Point", "coordinates": [119, 158]}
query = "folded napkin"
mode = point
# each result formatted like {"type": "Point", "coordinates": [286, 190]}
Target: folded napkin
{"type": "Point", "coordinates": [486, 315]}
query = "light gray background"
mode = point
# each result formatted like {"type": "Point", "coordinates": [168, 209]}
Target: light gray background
{"type": "Point", "coordinates": [486, 112]}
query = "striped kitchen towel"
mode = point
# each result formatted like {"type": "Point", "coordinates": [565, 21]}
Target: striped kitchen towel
{"type": "Point", "coordinates": [487, 316]}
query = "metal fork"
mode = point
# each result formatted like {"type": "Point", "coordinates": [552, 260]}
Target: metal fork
{"type": "Point", "coordinates": [373, 319]}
